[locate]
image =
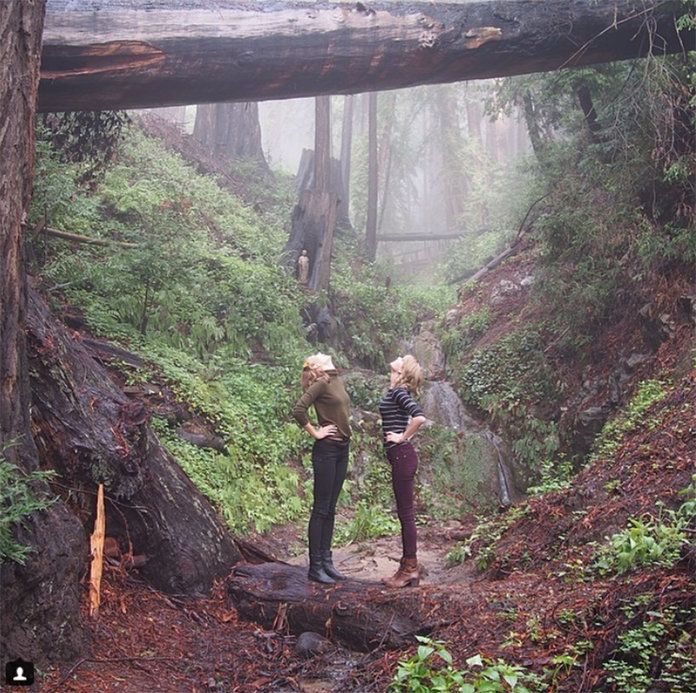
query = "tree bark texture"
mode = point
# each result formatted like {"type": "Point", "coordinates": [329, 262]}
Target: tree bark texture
{"type": "Point", "coordinates": [453, 174]}
{"type": "Point", "coordinates": [108, 54]}
{"type": "Point", "coordinates": [322, 143]}
{"type": "Point", "coordinates": [91, 433]}
{"type": "Point", "coordinates": [357, 615]}
{"type": "Point", "coordinates": [346, 146]}
{"type": "Point", "coordinates": [304, 180]}
{"type": "Point", "coordinates": [232, 130]}
{"type": "Point", "coordinates": [39, 601]}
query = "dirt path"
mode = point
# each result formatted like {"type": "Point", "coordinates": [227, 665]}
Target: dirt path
{"type": "Point", "coordinates": [374, 559]}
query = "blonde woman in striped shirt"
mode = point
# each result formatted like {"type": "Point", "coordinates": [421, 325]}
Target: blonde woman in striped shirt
{"type": "Point", "coordinates": [401, 418]}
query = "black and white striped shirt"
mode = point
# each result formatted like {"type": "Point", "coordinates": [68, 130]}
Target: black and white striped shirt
{"type": "Point", "coordinates": [396, 408]}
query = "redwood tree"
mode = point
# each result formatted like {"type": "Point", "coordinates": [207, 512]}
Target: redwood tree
{"type": "Point", "coordinates": [372, 181]}
{"type": "Point", "coordinates": [40, 598]}
{"type": "Point", "coordinates": [231, 129]}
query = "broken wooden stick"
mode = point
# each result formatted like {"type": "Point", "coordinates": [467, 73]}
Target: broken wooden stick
{"type": "Point", "coordinates": [97, 548]}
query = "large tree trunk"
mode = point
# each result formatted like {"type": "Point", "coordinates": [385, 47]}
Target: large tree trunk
{"type": "Point", "coordinates": [91, 433]}
{"type": "Point", "coordinates": [372, 180]}
{"type": "Point", "coordinates": [232, 130]}
{"type": "Point", "coordinates": [453, 176]}
{"type": "Point", "coordinates": [361, 616]}
{"type": "Point", "coordinates": [106, 54]}
{"type": "Point", "coordinates": [346, 147]}
{"type": "Point", "coordinates": [39, 601]}
{"type": "Point", "coordinates": [314, 217]}
{"type": "Point", "coordinates": [322, 143]}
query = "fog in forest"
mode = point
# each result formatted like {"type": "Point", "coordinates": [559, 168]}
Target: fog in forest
{"type": "Point", "coordinates": [450, 161]}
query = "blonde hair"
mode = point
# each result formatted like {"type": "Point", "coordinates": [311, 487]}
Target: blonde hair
{"type": "Point", "coordinates": [411, 376]}
{"type": "Point", "coordinates": [312, 370]}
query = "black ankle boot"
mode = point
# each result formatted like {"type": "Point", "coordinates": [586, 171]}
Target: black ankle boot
{"type": "Point", "coordinates": [317, 572]}
{"type": "Point", "coordinates": [329, 568]}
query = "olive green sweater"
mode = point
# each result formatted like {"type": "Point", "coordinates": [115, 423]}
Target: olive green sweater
{"type": "Point", "coordinates": [331, 402]}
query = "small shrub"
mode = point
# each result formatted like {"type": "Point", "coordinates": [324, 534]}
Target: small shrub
{"type": "Point", "coordinates": [430, 669]}
{"type": "Point", "coordinates": [645, 542]}
{"type": "Point", "coordinates": [482, 541]}
{"type": "Point", "coordinates": [648, 393]}
{"type": "Point", "coordinates": [17, 502]}
{"type": "Point", "coordinates": [657, 653]}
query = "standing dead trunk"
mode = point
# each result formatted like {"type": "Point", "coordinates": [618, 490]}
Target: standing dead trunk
{"type": "Point", "coordinates": [322, 143]}
{"type": "Point", "coordinates": [372, 181]}
{"type": "Point", "coordinates": [314, 216]}
{"type": "Point", "coordinates": [39, 601]}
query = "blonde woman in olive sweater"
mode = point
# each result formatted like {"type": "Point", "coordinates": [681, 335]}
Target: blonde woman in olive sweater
{"type": "Point", "coordinates": [324, 390]}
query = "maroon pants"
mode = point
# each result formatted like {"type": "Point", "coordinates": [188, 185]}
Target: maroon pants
{"type": "Point", "coordinates": [404, 462]}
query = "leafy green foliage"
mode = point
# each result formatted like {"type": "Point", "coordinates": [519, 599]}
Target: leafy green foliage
{"type": "Point", "coordinates": [631, 417]}
{"type": "Point", "coordinates": [248, 404]}
{"type": "Point", "coordinates": [649, 541]}
{"type": "Point", "coordinates": [430, 669]}
{"type": "Point", "coordinates": [372, 318]}
{"type": "Point", "coordinates": [200, 296]}
{"type": "Point", "coordinates": [662, 643]}
{"type": "Point", "coordinates": [88, 137]}
{"type": "Point", "coordinates": [620, 203]}
{"type": "Point", "coordinates": [644, 542]}
{"type": "Point", "coordinates": [556, 475]}
{"type": "Point", "coordinates": [369, 521]}
{"type": "Point", "coordinates": [204, 273]}
{"type": "Point", "coordinates": [481, 542]}
{"type": "Point", "coordinates": [18, 500]}
{"type": "Point", "coordinates": [460, 337]}
{"type": "Point", "coordinates": [506, 380]}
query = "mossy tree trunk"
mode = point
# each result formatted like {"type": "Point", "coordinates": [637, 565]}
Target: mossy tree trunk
{"type": "Point", "coordinates": [40, 599]}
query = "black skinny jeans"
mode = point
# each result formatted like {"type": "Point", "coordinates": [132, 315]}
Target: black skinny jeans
{"type": "Point", "coordinates": [330, 462]}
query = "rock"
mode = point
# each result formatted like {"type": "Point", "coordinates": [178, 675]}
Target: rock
{"type": "Point", "coordinates": [327, 325]}
{"type": "Point", "coordinates": [636, 359]}
{"type": "Point", "coordinates": [309, 644]}
{"type": "Point", "coordinates": [503, 289]}
{"type": "Point", "coordinates": [655, 328]}
{"type": "Point", "coordinates": [312, 332]}
{"type": "Point", "coordinates": [591, 415]}
{"type": "Point", "coordinates": [442, 405]}
{"type": "Point", "coordinates": [427, 349]}
{"type": "Point", "coordinates": [451, 317]}
{"type": "Point", "coordinates": [528, 280]}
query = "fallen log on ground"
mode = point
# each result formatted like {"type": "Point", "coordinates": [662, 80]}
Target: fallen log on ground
{"type": "Point", "coordinates": [91, 433]}
{"type": "Point", "coordinates": [358, 615]}
{"type": "Point", "coordinates": [106, 54]}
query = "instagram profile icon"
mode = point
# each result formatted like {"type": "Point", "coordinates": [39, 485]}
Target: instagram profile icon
{"type": "Point", "coordinates": [19, 673]}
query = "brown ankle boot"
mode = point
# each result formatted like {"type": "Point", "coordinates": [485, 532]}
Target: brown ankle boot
{"type": "Point", "coordinates": [407, 574]}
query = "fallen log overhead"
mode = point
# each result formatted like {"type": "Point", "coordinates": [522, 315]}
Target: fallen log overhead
{"type": "Point", "coordinates": [105, 54]}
